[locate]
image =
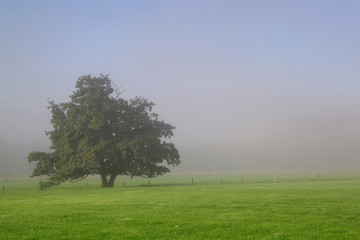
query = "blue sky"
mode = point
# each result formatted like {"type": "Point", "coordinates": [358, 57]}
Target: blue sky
{"type": "Point", "coordinates": [265, 78]}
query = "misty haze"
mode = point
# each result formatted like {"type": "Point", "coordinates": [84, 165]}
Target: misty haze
{"type": "Point", "coordinates": [248, 87]}
{"type": "Point", "coordinates": [204, 119]}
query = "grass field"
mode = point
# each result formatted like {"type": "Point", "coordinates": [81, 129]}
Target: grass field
{"type": "Point", "coordinates": [243, 207]}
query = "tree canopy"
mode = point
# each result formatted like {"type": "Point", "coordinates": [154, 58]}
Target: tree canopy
{"type": "Point", "coordinates": [97, 132]}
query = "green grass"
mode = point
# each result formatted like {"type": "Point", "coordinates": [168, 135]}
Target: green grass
{"type": "Point", "coordinates": [173, 208]}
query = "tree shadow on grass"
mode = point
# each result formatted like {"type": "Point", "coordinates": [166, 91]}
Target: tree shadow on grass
{"type": "Point", "coordinates": [167, 184]}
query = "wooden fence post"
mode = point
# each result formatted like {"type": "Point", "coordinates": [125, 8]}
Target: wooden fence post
{"type": "Point", "coordinates": [3, 189]}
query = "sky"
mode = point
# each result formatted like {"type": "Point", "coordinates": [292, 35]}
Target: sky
{"type": "Point", "coordinates": [249, 85]}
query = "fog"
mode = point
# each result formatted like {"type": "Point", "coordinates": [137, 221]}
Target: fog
{"type": "Point", "coordinates": [249, 85]}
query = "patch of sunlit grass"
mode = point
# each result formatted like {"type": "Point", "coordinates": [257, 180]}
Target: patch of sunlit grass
{"type": "Point", "coordinates": [174, 208]}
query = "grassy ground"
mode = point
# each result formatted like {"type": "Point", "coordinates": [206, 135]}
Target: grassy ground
{"type": "Point", "coordinates": [243, 207]}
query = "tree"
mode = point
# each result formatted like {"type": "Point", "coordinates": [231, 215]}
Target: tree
{"type": "Point", "coordinates": [97, 132]}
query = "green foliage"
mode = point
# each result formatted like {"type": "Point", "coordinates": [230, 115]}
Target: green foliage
{"type": "Point", "coordinates": [44, 184]}
{"type": "Point", "coordinates": [99, 133]}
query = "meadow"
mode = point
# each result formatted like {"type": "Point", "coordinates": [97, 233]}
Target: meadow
{"type": "Point", "coordinates": [214, 207]}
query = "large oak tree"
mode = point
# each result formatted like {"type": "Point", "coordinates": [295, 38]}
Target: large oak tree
{"type": "Point", "coordinates": [97, 132]}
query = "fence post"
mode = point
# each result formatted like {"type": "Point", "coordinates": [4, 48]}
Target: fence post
{"type": "Point", "coordinates": [3, 189]}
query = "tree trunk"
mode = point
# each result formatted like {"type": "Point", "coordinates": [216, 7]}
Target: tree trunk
{"type": "Point", "coordinates": [105, 182]}
{"type": "Point", "coordinates": [112, 180]}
